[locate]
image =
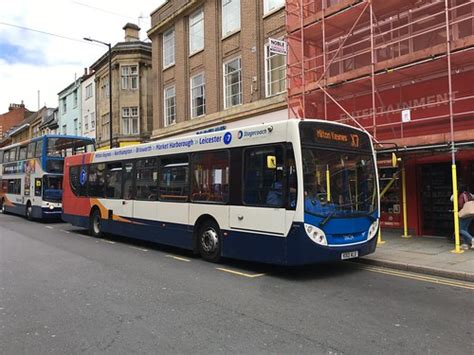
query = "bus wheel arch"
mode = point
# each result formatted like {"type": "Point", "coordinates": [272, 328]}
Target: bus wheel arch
{"type": "Point", "coordinates": [95, 222]}
{"type": "Point", "coordinates": [207, 238]}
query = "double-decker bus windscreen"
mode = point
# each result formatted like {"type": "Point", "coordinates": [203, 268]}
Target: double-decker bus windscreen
{"type": "Point", "coordinates": [338, 171]}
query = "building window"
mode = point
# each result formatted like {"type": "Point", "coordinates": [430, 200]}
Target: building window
{"type": "Point", "coordinates": [168, 48]}
{"type": "Point", "coordinates": [88, 91]}
{"type": "Point", "coordinates": [64, 129]}
{"type": "Point", "coordinates": [105, 127]}
{"type": "Point", "coordinates": [230, 16]}
{"type": "Point", "coordinates": [86, 123]}
{"type": "Point", "coordinates": [64, 105]}
{"type": "Point", "coordinates": [232, 83]}
{"type": "Point", "coordinates": [198, 97]}
{"type": "Point", "coordinates": [271, 5]}
{"type": "Point", "coordinates": [196, 31]}
{"type": "Point", "coordinates": [74, 99]}
{"type": "Point", "coordinates": [170, 105]}
{"type": "Point", "coordinates": [104, 88]}
{"type": "Point", "coordinates": [92, 120]}
{"type": "Point", "coordinates": [129, 120]}
{"type": "Point", "coordinates": [275, 72]}
{"type": "Point", "coordinates": [76, 131]}
{"type": "Point", "coordinates": [130, 77]}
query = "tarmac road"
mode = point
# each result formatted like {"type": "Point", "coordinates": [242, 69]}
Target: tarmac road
{"type": "Point", "coordinates": [64, 292]}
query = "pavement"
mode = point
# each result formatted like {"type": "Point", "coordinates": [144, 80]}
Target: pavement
{"type": "Point", "coordinates": [422, 254]}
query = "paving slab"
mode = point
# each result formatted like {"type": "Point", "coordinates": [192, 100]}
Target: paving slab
{"type": "Point", "coordinates": [424, 254]}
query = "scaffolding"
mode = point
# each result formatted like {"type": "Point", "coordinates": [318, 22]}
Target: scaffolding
{"type": "Point", "coordinates": [403, 70]}
{"type": "Point", "coordinates": [364, 62]}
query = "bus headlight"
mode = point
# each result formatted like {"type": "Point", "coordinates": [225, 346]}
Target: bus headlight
{"type": "Point", "coordinates": [51, 207]}
{"type": "Point", "coordinates": [374, 227]}
{"type": "Point", "coordinates": [315, 234]}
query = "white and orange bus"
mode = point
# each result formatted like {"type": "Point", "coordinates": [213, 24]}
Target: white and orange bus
{"type": "Point", "coordinates": [291, 192]}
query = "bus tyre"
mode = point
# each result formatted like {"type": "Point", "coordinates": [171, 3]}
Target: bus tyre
{"type": "Point", "coordinates": [2, 207]}
{"type": "Point", "coordinates": [209, 241]}
{"type": "Point", "coordinates": [29, 211]}
{"type": "Point", "coordinates": [95, 224]}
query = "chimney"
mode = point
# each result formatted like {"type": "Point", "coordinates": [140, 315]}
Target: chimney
{"type": "Point", "coordinates": [131, 32]}
{"type": "Point", "coordinates": [85, 71]}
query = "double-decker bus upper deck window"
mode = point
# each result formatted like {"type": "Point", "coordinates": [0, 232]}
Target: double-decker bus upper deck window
{"type": "Point", "coordinates": [96, 179]}
{"type": "Point", "coordinates": [23, 151]}
{"type": "Point", "coordinates": [12, 155]}
{"type": "Point", "coordinates": [31, 150]}
{"type": "Point", "coordinates": [174, 178]}
{"type": "Point", "coordinates": [210, 177]}
{"type": "Point", "coordinates": [113, 178]}
{"type": "Point", "coordinates": [264, 176]}
{"type": "Point", "coordinates": [39, 149]}
{"type": "Point", "coordinates": [146, 179]}
{"type": "Point", "coordinates": [1, 156]}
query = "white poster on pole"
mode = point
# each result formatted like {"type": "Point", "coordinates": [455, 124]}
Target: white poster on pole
{"type": "Point", "coordinates": [406, 116]}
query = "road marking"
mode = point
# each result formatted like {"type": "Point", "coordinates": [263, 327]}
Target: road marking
{"type": "Point", "coordinates": [419, 277]}
{"type": "Point", "coordinates": [49, 227]}
{"type": "Point", "coordinates": [137, 248]}
{"type": "Point", "coordinates": [107, 241]}
{"type": "Point", "coordinates": [178, 258]}
{"type": "Point", "coordinates": [65, 231]}
{"type": "Point", "coordinates": [239, 273]}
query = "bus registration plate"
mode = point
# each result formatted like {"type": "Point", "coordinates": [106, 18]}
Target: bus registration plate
{"type": "Point", "coordinates": [349, 255]}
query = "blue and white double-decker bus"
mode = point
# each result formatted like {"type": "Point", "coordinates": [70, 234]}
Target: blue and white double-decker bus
{"type": "Point", "coordinates": [290, 192]}
{"type": "Point", "coordinates": [31, 174]}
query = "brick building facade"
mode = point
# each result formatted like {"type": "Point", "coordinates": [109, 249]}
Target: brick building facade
{"type": "Point", "coordinates": [16, 114]}
{"type": "Point", "coordinates": [209, 71]}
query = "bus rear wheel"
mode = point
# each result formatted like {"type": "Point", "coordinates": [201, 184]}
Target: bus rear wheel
{"type": "Point", "coordinates": [95, 224]}
{"type": "Point", "coordinates": [210, 241]}
{"type": "Point", "coordinates": [2, 207]}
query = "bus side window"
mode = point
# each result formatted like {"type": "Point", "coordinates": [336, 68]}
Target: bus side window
{"type": "Point", "coordinates": [31, 150]}
{"type": "Point", "coordinates": [39, 148]}
{"type": "Point", "coordinates": [23, 153]}
{"type": "Point", "coordinates": [128, 177]}
{"type": "Point", "coordinates": [174, 178]}
{"type": "Point", "coordinates": [113, 180]}
{"type": "Point", "coordinates": [210, 177]}
{"type": "Point", "coordinates": [96, 185]}
{"type": "Point", "coordinates": [1, 156]}
{"type": "Point", "coordinates": [292, 181]}
{"type": "Point", "coordinates": [146, 179]}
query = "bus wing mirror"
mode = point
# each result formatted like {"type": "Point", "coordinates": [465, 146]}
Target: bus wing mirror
{"type": "Point", "coordinates": [271, 162]}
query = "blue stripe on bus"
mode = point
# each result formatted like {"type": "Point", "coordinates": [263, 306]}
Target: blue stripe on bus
{"type": "Point", "coordinates": [295, 249]}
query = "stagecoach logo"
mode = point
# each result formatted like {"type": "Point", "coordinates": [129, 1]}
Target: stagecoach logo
{"type": "Point", "coordinates": [253, 133]}
{"type": "Point", "coordinates": [83, 177]}
{"type": "Point", "coordinates": [227, 138]}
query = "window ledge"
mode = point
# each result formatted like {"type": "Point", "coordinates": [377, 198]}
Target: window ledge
{"type": "Point", "coordinates": [168, 66]}
{"type": "Point", "coordinates": [230, 34]}
{"type": "Point", "coordinates": [196, 52]}
{"type": "Point", "coordinates": [271, 12]}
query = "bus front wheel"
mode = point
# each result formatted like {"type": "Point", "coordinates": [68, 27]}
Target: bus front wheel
{"type": "Point", "coordinates": [95, 224]}
{"type": "Point", "coordinates": [209, 241]}
{"type": "Point", "coordinates": [3, 209]}
{"type": "Point", "coordinates": [29, 211]}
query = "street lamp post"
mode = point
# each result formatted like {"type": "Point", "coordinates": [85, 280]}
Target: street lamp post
{"type": "Point", "coordinates": [110, 85]}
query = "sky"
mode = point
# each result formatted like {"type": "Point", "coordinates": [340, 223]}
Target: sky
{"type": "Point", "coordinates": [32, 61]}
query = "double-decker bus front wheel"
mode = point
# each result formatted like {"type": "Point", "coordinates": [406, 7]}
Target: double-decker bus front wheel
{"type": "Point", "coordinates": [2, 207]}
{"type": "Point", "coordinates": [29, 211]}
{"type": "Point", "coordinates": [209, 241]}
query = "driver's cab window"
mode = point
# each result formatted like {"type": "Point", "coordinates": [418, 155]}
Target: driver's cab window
{"type": "Point", "coordinates": [264, 173]}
